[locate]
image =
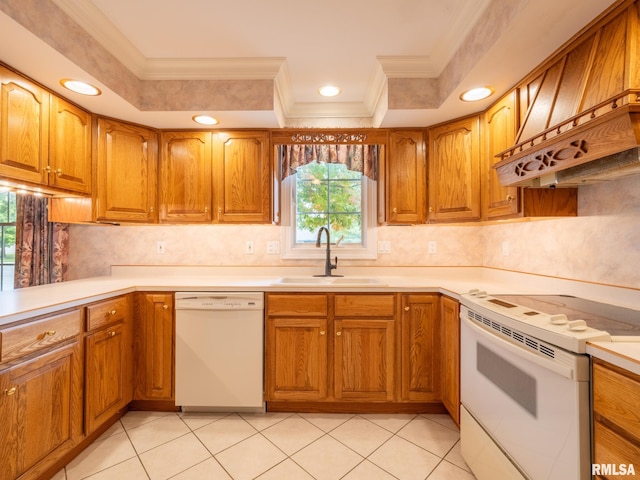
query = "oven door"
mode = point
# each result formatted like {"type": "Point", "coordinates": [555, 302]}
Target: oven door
{"type": "Point", "coordinates": [535, 410]}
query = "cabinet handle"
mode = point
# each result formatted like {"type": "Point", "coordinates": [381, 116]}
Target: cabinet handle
{"type": "Point", "coordinates": [394, 210]}
{"type": "Point", "coordinates": [151, 210]}
{"type": "Point", "coordinates": [50, 333]}
{"type": "Point", "coordinates": [10, 391]}
{"type": "Point", "coordinates": [59, 171]}
{"type": "Point", "coordinates": [112, 333]}
{"type": "Point", "coordinates": [322, 332]}
{"type": "Point", "coordinates": [206, 209]}
{"type": "Point", "coordinates": [510, 198]}
{"type": "Point", "coordinates": [406, 309]}
{"type": "Point", "coordinates": [338, 333]}
{"type": "Point", "coordinates": [219, 213]}
{"type": "Point", "coordinates": [112, 312]}
{"type": "Point", "coordinates": [47, 169]}
{"type": "Point", "coordinates": [165, 307]}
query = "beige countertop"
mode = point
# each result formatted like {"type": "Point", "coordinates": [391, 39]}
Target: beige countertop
{"type": "Point", "coordinates": [623, 354]}
{"type": "Point", "coordinates": [19, 305]}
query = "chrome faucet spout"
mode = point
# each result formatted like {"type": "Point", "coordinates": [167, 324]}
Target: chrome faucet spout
{"type": "Point", "coordinates": [328, 266]}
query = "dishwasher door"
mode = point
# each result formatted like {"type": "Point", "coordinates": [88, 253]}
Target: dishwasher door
{"type": "Point", "coordinates": [220, 351]}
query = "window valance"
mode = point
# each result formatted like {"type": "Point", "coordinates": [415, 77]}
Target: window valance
{"type": "Point", "coordinates": [357, 158]}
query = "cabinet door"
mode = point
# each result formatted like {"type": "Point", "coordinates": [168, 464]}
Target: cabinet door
{"type": "Point", "coordinates": [364, 360]}
{"type": "Point", "coordinates": [41, 411]}
{"type": "Point", "coordinates": [450, 322]}
{"type": "Point", "coordinates": [296, 359]}
{"type": "Point", "coordinates": [126, 175]}
{"type": "Point", "coordinates": [242, 174]}
{"type": "Point", "coordinates": [154, 355]}
{"type": "Point", "coordinates": [108, 386]}
{"type": "Point", "coordinates": [406, 178]}
{"type": "Point", "coordinates": [185, 177]}
{"type": "Point", "coordinates": [454, 171]}
{"type": "Point", "coordinates": [420, 348]}
{"type": "Point", "coordinates": [24, 129]}
{"type": "Point", "coordinates": [70, 147]}
{"type": "Point", "coordinates": [499, 134]}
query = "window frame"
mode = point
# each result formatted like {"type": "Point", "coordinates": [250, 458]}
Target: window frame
{"type": "Point", "coordinates": [366, 250]}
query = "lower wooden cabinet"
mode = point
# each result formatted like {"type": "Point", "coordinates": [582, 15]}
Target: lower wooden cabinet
{"type": "Point", "coordinates": [108, 360]}
{"type": "Point", "coordinates": [346, 348]}
{"type": "Point", "coordinates": [420, 348]}
{"type": "Point", "coordinates": [450, 371]}
{"type": "Point", "coordinates": [296, 359]}
{"type": "Point", "coordinates": [154, 352]}
{"type": "Point", "coordinates": [41, 403]}
{"type": "Point", "coordinates": [616, 417]}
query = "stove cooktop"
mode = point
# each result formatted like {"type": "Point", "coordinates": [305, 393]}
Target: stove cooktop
{"type": "Point", "coordinates": [562, 321]}
{"type": "Point", "coordinates": [616, 321]}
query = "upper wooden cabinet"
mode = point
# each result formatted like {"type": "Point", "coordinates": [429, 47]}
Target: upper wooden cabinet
{"type": "Point", "coordinates": [454, 171]}
{"type": "Point", "coordinates": [185, 177]}
{"type": "Point", "coordinates": [24, 129]}
{"type": "Point", "coordinates": [500, 126]}
{"type": "Point", "coordinates": [406, 178]}
{"type": "Point", "coordinates": [126, 173]}
{"type": "Point", "coordinates": [242, 177]}
{"type": "Point", "coordinates": [221, 177]}
{"type": "Point", "coordinates": [44, 140]}
{"type": "Point", "coordinates": [69, 147]}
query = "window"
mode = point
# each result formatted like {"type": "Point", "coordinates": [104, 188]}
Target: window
{"type": "Point", "coordinates": [7, 239]}
{"type": "Point", "coordinates": [328, 195]}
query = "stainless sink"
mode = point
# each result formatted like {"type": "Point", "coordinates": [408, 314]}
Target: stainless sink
{"type": "Point", "coordinates": [337, 281]}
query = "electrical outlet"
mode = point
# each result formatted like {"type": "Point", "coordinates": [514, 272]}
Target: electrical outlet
{"type": "Point", "coordinates": [384, 246]}
{"type": "Point", "coordinates": [248, 247]}
{"type": "Point", "coordinates": [273, 247]}
{"type": "Point", "coordinates": [160, 247]}
{"type": "Point", "coordinates": [432, 247]}
{"type": "Point", "coordinates": [505, 248]}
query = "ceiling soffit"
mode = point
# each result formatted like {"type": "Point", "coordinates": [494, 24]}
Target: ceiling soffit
{"type": "Point", "coordinates": [164, 82]}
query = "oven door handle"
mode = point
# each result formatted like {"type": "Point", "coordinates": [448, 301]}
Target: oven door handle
{"type": "Point", "coordinates": [548, 363]}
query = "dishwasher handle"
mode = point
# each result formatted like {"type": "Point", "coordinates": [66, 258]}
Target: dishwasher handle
{"type": "Point", "coordinates": [219, 301]}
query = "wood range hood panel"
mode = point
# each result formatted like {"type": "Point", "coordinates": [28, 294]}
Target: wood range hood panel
{"type": "Point", "coordinates": [581, 105]}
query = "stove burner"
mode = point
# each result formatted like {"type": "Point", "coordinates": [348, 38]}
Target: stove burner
{"type": "Point", "coordinates": [617, 321]}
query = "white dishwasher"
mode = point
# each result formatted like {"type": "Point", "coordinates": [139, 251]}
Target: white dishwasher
{"type": "Point", "coordinates": [220, 351]}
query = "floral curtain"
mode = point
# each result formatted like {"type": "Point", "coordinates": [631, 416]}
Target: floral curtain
{"type": "Point", "coordinates": [358, 158]}
{"type": "Point", "coordinates": [42, 247]}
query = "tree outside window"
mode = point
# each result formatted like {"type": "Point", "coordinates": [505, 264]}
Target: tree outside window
{"type": "Point", "coordinates": [328, 195]}
{"type": "Point", "coordinates": [7, 239]}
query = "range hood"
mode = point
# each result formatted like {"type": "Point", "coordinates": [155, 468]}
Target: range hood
{"type": "Point", "coordinates": [579, 111]}
{"type": "Point", "coordinates": [614, 166]}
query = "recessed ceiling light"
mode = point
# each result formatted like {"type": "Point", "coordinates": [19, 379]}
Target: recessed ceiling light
{"type": "Point", "coordinates": [475, 94]}
{"type": "Point", "coordinates": [205, 120]}
{"type": "Point", "coordinates": [80, 87]}
{"type": "Point", "coordinates": [329, 91]}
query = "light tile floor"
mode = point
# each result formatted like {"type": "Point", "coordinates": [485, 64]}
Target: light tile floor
{"type": "Point", "coordinates": [273, 446]}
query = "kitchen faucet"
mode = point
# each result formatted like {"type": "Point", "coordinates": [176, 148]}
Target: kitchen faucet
{"type": "Point", "coordinates": [328, 266]}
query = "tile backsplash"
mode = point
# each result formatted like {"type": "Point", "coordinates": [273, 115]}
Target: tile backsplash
{"type": "Point", "coordinates": [602, 245]}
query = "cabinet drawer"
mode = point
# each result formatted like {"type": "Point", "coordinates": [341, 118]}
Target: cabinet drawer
{"type": "Point", "coordinates": [611, 448]}
{"type": "Point", "coordinates": [365, 305]}
{"type": "Point", "coordinates": [291, 305]}
{"type": "Point", "coordinates": [109, 311]}
{"type": "Point", "coordinates": [615, 397]}
{"type": "Point", "coordinates": [31, 337]}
